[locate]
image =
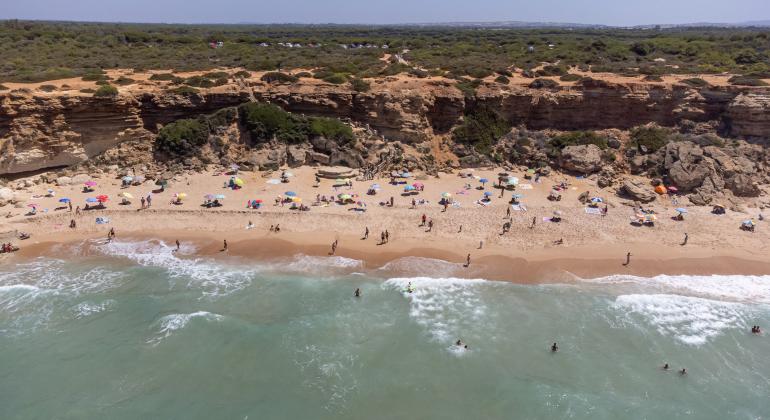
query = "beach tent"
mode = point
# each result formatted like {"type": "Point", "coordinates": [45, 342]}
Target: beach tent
{"type": "Point", "coordinates": [128, 179]}
{"type": "Point", "coordinates": [660, 189]}
{"type": "Point", "coordinates": [418, 185]}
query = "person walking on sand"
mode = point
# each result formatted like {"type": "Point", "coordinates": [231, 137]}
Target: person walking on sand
{"type": "Point", "coordinates": [387, 236]}
{"type": "Point", "coordinates": [142, 201]}
{"type": "Point", "coordinates": [468, 261]}
{"type": "Point", "coordinates": [424, 218]}
{"type": "Point", "coordinates": [77, 210]}
{"type": "Point", "coordinates": [461, 229]}
{"type": "Point", "coordinates": [149, 201]}
{"type": "Point", "coordinates": [430, 225]}
{"type": "Point", "coordinates": [366, 233]}
{"type": "Point", "coordinates": [534, 220]}
{"type": "Point", "coordinates": [481, 244]}
{"type": "Point", "coordinates": [508, 213]}
{"type": "Point", "coordinates": [178, 245]}
{"type": "Point", "coordinates": [334, 248]}
{"type": "Point", "coordinates": [224, 245]}
{"type": "Point", "coordinates": [686, 237]}
{"type": "Point", "coordinates": [382, 238]}
{"type": "Point", "coordinates": [628, 259]}
{"type": "Point", "coordinates": [70, 206]}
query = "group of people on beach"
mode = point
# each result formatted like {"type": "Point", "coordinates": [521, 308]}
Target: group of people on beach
{"type": "Point", "coordinates": [8, 248]}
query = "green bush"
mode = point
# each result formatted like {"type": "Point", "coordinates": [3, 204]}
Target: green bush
{"type": "Point", "coordinates": [47, 88]}
{"type": "Point", "coordinates": [468, 87]}
{"type": "Point", "coordinates": [571, 78]}
{"type": "Point", "coordinates": [552, 70]}
{"type": "Point", "coordinates": [222, 118]}
{"type": "Point", "coordinates": [336, 78]}
{"type": "Point", "coordinates": [695, 82]}
{"type": "Point", "coordinates": [481, 128]}
{"type": "Point", "coordinates": [163, 77]}
{"type": "Point", "coordinates": [106, 91]}
{"type": "Point", "coordinates": [652, 78]}
{"type": "Point", "coordinates": [124, 81]}
{"type": "Point", "coordinates": [543, 83]}
{"type": "Point", "coordinates": [278, 77]}
{"type": "Point", "coordinates": [577, 138]}
{"type": "Point", "coordinates": [204, 82]}
{"type": "Point", "coordinates": [746, 81]}
{"type": "Point", "coordinates": [182, 137]}
{"type": "Point", "coordinates": [95, 77]}
{"type": "Point", "coordinates": [504, 72]}
{"type": "Point", "coordinates": [265, 121]}
{"type": "Point", "coordinates": [502, 80]}
{"type": "Point", "coordinates": [242, 74]}
{"type": "Point", "coordinates": [184, 90]}
{"type": "Point", "coordinates": [331, 128]}
{"type": "Point", "coordinates": [303, 75]}
{"type": "Point", "coordinates": [360, 85]}
{"type": "Point", "coordinates": [649, 138]}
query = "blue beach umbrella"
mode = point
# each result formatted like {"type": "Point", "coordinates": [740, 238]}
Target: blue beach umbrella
{"type": "Point", "coordinates": [681, 210]}
{"type": "Point", "coordinates": [409, 188]}
{"type": "Point", "coordinates": [290, 194]}
{"type": "Point", "coordinates": [597, 200]}
{"type": "Point", "coordinates": [518, 196]}
{"type": "Point", "coordinates": [487, 194]}
{"type": "Point", "coordinates": [483, 180]}
{"type": "Point", "coordinates": [91, 200]}
{"type": "Point", "coordinates": [64, 200]}
{"type": "Point", "coordinates": [375, 186]}
{"type": "Point", "coordinates": [220, 196]}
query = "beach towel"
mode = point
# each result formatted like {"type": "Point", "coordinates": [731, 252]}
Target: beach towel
{"type": "Point", "coordinates": [274, 181]}
{"type": "Point", "coordinates": [546, 219]}
{"type": "Point", "coordinates": [102, 220]}
{"type": "Point", "coordinates": [518, 207]}
{"type": "Point", "coordinates": [526, 186]}
{"type": "Point", "coordinates": [593, 210]}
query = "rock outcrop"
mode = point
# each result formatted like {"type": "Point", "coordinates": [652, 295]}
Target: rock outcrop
{"type": "Point", "coordinates": [584, 159]}
{"type": "Point", "coordinates": [638, 191]}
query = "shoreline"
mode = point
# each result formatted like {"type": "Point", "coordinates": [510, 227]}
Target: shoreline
{"type": "Point", "coordinates": [555, 265]}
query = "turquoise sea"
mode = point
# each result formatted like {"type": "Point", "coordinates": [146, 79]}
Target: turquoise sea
{"type": "Point", "coordinates": [132, 330]}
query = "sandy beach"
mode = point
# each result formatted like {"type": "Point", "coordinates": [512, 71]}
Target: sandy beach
{"type": "Point", "coordinates": [592, 245]}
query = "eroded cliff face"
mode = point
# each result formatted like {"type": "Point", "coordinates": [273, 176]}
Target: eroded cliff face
{"type": "Point", "coordinates": [39, 131]}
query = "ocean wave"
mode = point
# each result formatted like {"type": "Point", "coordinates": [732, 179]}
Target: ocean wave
{"type": "Point", "coordinates": [737, 288]}
{"type": "Point", "coordinates": [691, 320]}
{"type": "Point", "coordinates": [86, 309]}
{"type": "Point", "coordinates": [172, 323]}
{"type": "Point", "coordinates": [312, 264]}
{"type": "Point", "coordinates": [213, 278]}
{"type": "Point", "coordinates": [447, 308]}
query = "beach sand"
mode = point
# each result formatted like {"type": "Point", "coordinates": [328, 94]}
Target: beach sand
{"type": "Point", "coordinates": [593, 245]}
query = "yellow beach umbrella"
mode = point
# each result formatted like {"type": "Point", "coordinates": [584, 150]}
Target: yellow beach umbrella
{"type": "Point", "coordinates": [126, 195]}
{"type": "Point", "coordinates": [181, 196]}
{"type": "Point", "coordinates": [239, 182]}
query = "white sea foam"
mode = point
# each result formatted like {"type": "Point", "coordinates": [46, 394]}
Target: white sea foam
{"type": "Point", "coordinates": [691, 320]}
{"type": "Point", "coordinates": [88, 308]}
{"type": "Point", "coordinates": [169, 324]}
{"type": "Point", "coordinates": [312, 264]}
{"type": "Point", "coordinates": [213, 278]}
{"type": "Point", "coordinates": [736, 288]}
{"type": "Point", "coordinates": [446, 307]}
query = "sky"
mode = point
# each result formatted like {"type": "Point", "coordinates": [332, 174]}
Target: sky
{"type": "Point", "coordinates": [609, 12]}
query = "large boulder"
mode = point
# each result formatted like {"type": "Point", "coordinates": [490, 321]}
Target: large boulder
{"type": "Point", "coordinates": [296, 155]}
{"type": "Point", "coordinates": [80, 179]}
{"type": "Point", "coordinates": [6, 196]}
{"type": "Point", "coordinates": [687, 177]}
{"type": "Point", "coordinates": [63, 181]}
{"type": "Point", "coordinates": [743, 186]}
{"type": "Point", "coordinates": [638, 191]}
{"type": "Point", "coordinates": [585, 159]}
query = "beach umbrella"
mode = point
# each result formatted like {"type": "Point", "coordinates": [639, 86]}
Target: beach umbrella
{"type": "Point", "coordinates": [234, 166]}
{"type": "Point", "coordinates": [64, 200]}
{"type": "Point", "coordinates": [339, 181]}
{"type": "Point", "coordinates": [161, 182]}
{"type": "Point", "coordinates": [487, 194]}
{"type": "Point", "coordinates": [258, 201]}
{"type": "Point", "coordinates": [344, 197]}
{"type": "Point", "coordinates": [91, 200]}
{"type": "Point", "coordinates": [126, 195]}
{"type": "Point", "coordinates": [290, 194]}
{"type": "Point", "coordinates": [673, 189]}
{"type": "Point", "coordinates": [409, 188]}
{"type": "Point", "coordinates": [446, 195]}
{"type": "Point", "coordinates": [139, 178]}
{"type": "Point", "coordinates": [681, 210]}
{"type": "Point", "coordinates": [748, 223]}
{"type": "Point", "coordinates": [209, 196]}
{"type": "Point", "coordinates": [503, 174]}
{"type": "Point", "coordinates": [513, 180]}
{"type": "Point", "coordinates": [557, 213]}
{"type": "Point", "coordinates": [90, 183]}
{"type": "Point", "coordinates": [296, 199]}
{"type": "Point", "coordinates": [33, 205]}
{"type": "Point", "coordinates": [239, 182]}
{"type": "Point", "coordinates": [128, 178]}
{"type": "Point", "coordinates": [518, 196]}
{"type": "Point", "coordinates": [597, 200]}
{"type": "Point", "coordinates": [288, 174]}
{"type": "Point", "coordinates": [375, 187]}
{"type": "Point", "coordinates": [483, 180]}
{"type": "Point", "coordinates": [220, 196]}
{"type": "Point", "coordinates": [418, 185]}
{"type": "Point", "coordinates": [405, 175]}
{"type": "Point", "coordinates": [181, 196]}
{"type": "Point", "coordinates": [531, 171]}
{"type": "Point", "coordinates": [102, 198]}
{"type": "Point", "coordinates": [650, 218]}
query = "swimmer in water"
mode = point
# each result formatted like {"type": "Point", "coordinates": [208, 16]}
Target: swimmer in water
{"type": "Point", "coordinates": [665, 367]}
{"type": "Point", "coordinates": [358, 292]}
{"type": "Point", "coordinates": [409, 288]}
{"type": "Point", "coordinates": [554, 348]}
{"type": "Point", "coordinates": [683, 371]}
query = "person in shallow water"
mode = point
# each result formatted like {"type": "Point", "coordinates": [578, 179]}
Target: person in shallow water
{"type": "Point", "coordinates": [683, 371]}
{"type": "Point", "coordinates": [358, 292]}
{"type": "Point", "coordinates": [554, 348]}
{"type": "Point", "coordinates": [665, 367]}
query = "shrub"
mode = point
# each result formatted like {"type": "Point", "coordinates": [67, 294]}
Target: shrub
{"type": "Point", "coordinates": [571, 78]}
{"type": "Point", "coordinates": [642, 48]}
{"type": "Point", "coordinates": [649, 138]}
{"type": "Point", "coordinates": [481, 128]}
{"type": "Point", "coordinates": [504, 72]}
{"type": "Point", "coordinates": [502, 80]}
{"type": "Point", "coordinates": [420, 74]}
{"type": "Point", "coordinates": [331, 128]}
{"type": "Point", "coordinates": [277, 77]}
{"type": "Point", "coordinates": [101, 82]}
{"type": "Point", "coordinates": [360, 85]}
{"type": "Point", "coordinates": [543, 83]}
{"type": "Point", "coordinates": [468, 87]}
{"type": "Point", "coordinates": [48, 88]}
{"type": "Point", "coordinates": [106, 91]}
{"type": "Point", "coordinates": [222, 118]}
{"type": "Point", "coordinates": [217, 75]}
{"type": "Point", "coordinates": [652, 78]}
{"type": "Point", "coordinates": [303, 75]}
{"type": "Point", "coordinates": [124, 81]}
{"type": "Point", "coordinates": [265, 121]}
{"type": "Point", "coordinates": [95, 77]}
{"type": "Point", "coordinates": [336, 78]}
{"type": "Point", "coordinates": [577, 138]}
{"type": "Point", "coordinates": [746, 81]}
{"type": "Point", "coordinates": [184, 90]}
{"type": "Point", "coordinates": [182, 137]}
{"type": "Point", "coordinates": [204, 82]}
{"type": "Point", "coordinates": [87, 90]}
{"type": "Point", "coordinates": [163, 77]}
{"type": "Point", "coordinates": [552, 70]}
{"type": "Point", "coordinates": [242, 74]}
{"type": "Point", "coordinates": [695, 82]}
